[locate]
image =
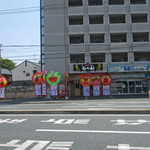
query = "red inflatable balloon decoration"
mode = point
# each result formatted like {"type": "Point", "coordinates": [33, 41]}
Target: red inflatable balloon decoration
{"type": "Point", "coordinates": [3, 81]}
{"type": "Point", "coordinates": [106, 79]}
{"type": "Point", "coordinates": [95, 79]}
{"type": "Point", "coordinates": [38, 78]}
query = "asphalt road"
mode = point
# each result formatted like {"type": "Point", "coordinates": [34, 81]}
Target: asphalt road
{"type": "Point", "coordinates": [74, 132]}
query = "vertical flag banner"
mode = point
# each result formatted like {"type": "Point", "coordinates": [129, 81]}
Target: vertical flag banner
{"type": "Point", "coordinates": [37, 90]}
{"type": "Point", "coordinates": [43, 89]}
{"type": "Point", "coordinates": [106, 90]}
{"type": "Point", "coordinates": [95, 81]}
{"type": "Point", "coordinates": [86, 91]}
{"type": "Point", "coordinates": [62, 90]}
{"type": "Point", "coordinates": [54, 90]}
{"type": "Point", "coordinates": [2, 92]}
{"type": "Point", "coordinates": [96, 90]}
{"type": "Point", "coordinates": [3, 83]}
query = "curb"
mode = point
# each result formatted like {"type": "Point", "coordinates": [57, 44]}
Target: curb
{"type": "Point", "coordinates": [75, 112]}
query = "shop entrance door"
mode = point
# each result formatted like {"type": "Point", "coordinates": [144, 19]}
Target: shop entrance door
{"type": "Point", "coordinates": [131, 87]}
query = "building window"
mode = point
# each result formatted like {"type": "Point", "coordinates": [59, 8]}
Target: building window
{"type": "Point", "coordinates": [141, 56]}
{"type": "Point", "coordinates": [119, 57]}
{"type": "Point", "coordinates": [138, 1]}
{"type": "Point", "coordinates": [96, 19]}
{"type": "Point", "coordinates": [95, 2]}
{"type": "Point", "coordinates": [76, 39]}
{"type": "Point", "coordinates": [27, 74]}
{"type": "Point", "coordinates": [97, 57]}
{"type": "Point", "coordinates": [116, 2]}
{"type": "Point", "coordinates": [117, 19]}
{"type": "Point", "coordinates": [139, 18]}
{"type": "Point", "coordinates": [75, 20]}
{"type": "Point", "coordinates": [77, 58]}
{"type": "Point", "coordinates": [75, 2]}
{"type": "Point", "coordinates": [34, 71]}
{"type": "Point", "coordinates": [140, 37]}
{"type": "Point", "coordinates": [118, 37]}
{"type": "Point", "coordinates": [97, 38]}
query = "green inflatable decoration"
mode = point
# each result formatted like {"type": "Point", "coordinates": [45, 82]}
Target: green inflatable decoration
{"type": "Point", "coordinates": [53, 78]}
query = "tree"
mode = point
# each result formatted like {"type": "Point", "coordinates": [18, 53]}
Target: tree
{"type": "Point", "coordinates": [7, 64]}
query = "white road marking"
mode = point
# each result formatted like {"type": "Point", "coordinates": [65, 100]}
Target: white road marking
{"type": "Point", "coordinates": [39, 144]}
{"type": "Point", "coordinates": [59, 146]}
{"type": "Point", "coordinates": [12, 121]}
{"type": "Point", "coordinates": [126, 147]}
{"type": "Point", "coordinates": [66, 121]}
{"type": "Point", "coordinates": [129, 122]}
{"type": "Point", "coordinates": [92, 131]}
{"type": "Point", "coordinates": [81, 121]}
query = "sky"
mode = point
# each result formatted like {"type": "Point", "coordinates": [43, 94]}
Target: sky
{"type": "Point", "coordinates": [20, 30]}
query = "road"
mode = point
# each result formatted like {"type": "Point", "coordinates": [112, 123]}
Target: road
{"type": "Point", "coordinates": [121, 104]}
{"type": "Point", "coordinates": [74, 132]}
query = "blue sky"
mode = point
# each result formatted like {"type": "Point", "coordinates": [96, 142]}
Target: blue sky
{"type": "Point", "coordinates": [20, 26]}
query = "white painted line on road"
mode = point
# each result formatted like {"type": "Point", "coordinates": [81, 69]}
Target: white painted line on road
{"type": "Point", "coordinates": [92, 131]}
{"type": "Point", "coordinates": [126, 147]}
{"type": "Point", "coordinates": [59, 146]}
{"type": "Point", "coordinates": [129, 122]}
{"type": "Point", "coordinates": [120, 147]}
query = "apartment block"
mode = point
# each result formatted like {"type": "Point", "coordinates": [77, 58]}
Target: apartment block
{"type": "Point", "coordinates": [114, 34]}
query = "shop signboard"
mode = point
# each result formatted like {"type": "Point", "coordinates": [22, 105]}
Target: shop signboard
{"type": "Point", "coordinates": [128, 67]}
{"type": "Point", "coordinates": [87, 67]}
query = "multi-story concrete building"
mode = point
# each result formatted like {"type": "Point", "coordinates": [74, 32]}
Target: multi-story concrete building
{"type": "Point", "coordinates": [113, 33]}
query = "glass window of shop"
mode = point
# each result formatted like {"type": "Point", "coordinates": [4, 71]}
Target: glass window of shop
{"type": "Point", "coordinates": [129, 87]}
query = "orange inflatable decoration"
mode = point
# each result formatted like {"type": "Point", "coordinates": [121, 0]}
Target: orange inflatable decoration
{"type": "Point", "coordinates": [85, 79]}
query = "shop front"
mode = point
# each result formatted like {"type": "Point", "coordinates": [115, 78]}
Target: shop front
{"type": "Point", "coordinates": [130, 79]}
{"type": "Point", "coordinates": [90, 84]}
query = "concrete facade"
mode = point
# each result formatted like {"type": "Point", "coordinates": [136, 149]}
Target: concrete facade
{"type": "Point", "coordinates": [112, 34]}
{"type": "Point", "coordinates": [22, 74]}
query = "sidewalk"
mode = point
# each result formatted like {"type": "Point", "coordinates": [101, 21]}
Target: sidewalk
{"type": "Point", "coordinates": [80, 105]}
